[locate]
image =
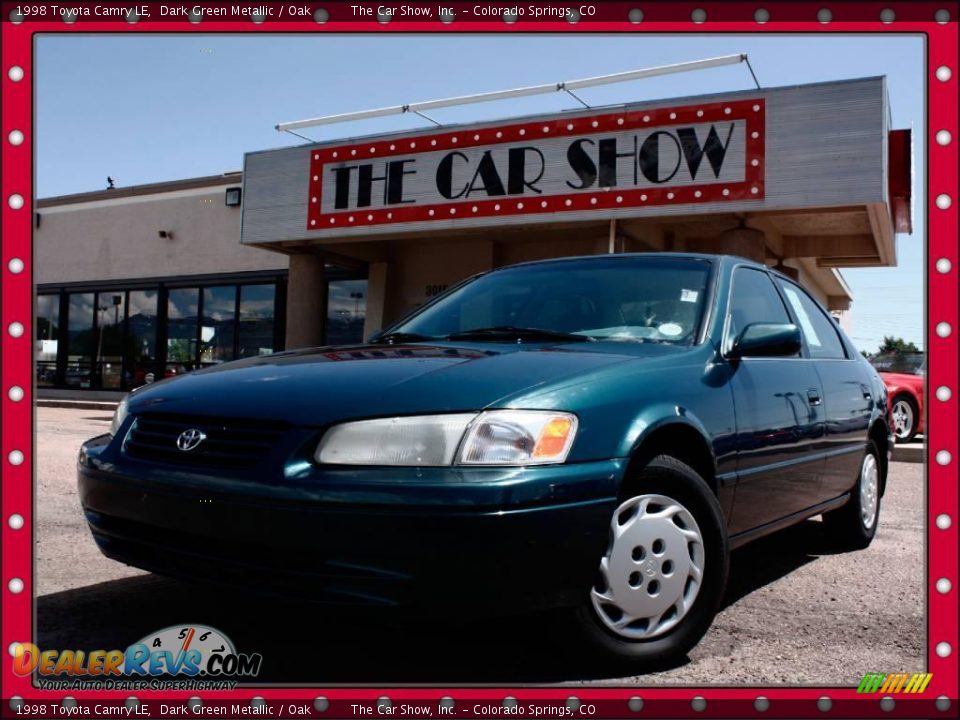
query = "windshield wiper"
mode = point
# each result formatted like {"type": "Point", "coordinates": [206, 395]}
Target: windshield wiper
{"type": "Point", "coordinates": [499, 332]}
{"type": "Point", "coordinates": [402, 337]}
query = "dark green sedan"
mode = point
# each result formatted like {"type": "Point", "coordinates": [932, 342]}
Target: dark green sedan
{"type": "Point", "coordinates": [590, 436]}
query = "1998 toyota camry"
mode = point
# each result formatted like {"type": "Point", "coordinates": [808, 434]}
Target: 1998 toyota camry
{"type": "Point", "coordinates": [586, 435]}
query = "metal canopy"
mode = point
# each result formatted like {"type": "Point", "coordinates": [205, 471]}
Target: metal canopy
{"type": "Point", "coordinates": [568, 86]}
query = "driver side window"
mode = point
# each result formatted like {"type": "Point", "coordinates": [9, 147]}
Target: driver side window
{"type": "Point", "coordinates": [753, 299]}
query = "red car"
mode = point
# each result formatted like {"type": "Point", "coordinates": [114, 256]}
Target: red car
{"type": "Point", "coordinates": [903, 374]}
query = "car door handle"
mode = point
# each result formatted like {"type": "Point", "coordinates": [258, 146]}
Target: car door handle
{"type": "Point", "coordinates": [866, 392]}
{"type": "Point", "coordinates": [813, 397]}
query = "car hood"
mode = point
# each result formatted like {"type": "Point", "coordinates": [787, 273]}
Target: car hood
{"type": "Point", "coordinates": [323, 385]}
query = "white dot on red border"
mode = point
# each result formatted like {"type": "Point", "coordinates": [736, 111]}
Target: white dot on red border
{"type": "Point", "coordinates": [15, 457]}
{"type": "Point", "coordinates": [15, 585]}
{"type": "Point", "coordinates": [15, 201]}
{"type": "Point", "coordinates": [15, 266]}
{"type": "Point", "coordinates": [15, 329]}
{"type": "Point", "coordinates": [15, 521]}
{"type": "Point", "coordinates": [15, 137]}
{"type": "Point", "coordinates": [15, 73]}
{"type": "Point", "coordinates": [15, 393]}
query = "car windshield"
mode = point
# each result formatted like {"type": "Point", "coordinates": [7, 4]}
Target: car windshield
{"type": "Point", "coordinates": [907, 363]}
{"type": "Point", "coordinates": [629, 299]}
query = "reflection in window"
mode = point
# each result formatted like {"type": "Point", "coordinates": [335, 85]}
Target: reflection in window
{"type": "Point", "coordinates": [256, 320]}
{"type": "Point", "coordinates": [346, 311]}
{"type": "Point", "coordinates": [80, 341]}
{"type": "Point", "coordinates": [182, 306]}
{"type": "Point", "coordinates": [48, 335]}
{"type": "Point", "coordinates": [140, 351]}
{"type": "Point", "coordinates": [216, 330]}
{"type": "Point", "coordinates": [111, 311]}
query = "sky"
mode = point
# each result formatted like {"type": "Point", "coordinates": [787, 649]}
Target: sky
{"type": "Point", "coordinates": [146, 109]}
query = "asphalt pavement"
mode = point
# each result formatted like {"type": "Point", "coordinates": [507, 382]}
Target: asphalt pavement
{"type": "Point", "coordinates": [796, 612]}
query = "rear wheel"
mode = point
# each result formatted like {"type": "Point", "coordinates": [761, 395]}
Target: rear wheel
{"type": "Point", "coordinates": [662, 576]}
{"type": "Point", "coordinates": [904, 413]}
{"type": "Point", "coordinates": [854, 525]}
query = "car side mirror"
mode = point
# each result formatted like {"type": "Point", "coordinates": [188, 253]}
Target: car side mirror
{"type": "Point", "coordinates": [373, 338]}
{"type": "Point", "coordinates": [767, 340]}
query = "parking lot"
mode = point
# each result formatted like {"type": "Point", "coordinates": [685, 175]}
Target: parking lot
{"type": "Point", "coordinates": [795, 612]}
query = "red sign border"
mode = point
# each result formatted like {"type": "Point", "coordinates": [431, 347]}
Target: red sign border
{"type": "Point", "coordinates": [753, 111]}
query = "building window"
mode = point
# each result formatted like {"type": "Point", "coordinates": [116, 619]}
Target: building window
{"type": "Point", "coordinates": [140, 350]}
{"type": "Point", "coordinates": [217, 328]}
{"type": "Point", "coordinates": [80, 341]}
{"type": "Point", "coordinates": [256, 320]}
{"type": "Point", "coordinates": [346, 311]}
{"type": "Point", "coordinates": [120, 339]}
{"type": "Point", "coordinates": [47, 338]}
{"type": "Point", "coordinates": [111, 314]}
{"type": "Point", "coordinates": [182, 315]}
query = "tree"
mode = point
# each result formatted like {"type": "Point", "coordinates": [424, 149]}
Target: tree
{"type": "Point", "coordinates": [897, 346]}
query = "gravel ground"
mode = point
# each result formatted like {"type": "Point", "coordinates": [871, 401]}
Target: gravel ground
{"type": "Point", "coordinates": [795, 612]}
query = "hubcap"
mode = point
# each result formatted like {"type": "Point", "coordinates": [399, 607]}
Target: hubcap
{"type": "Point", "coordinates": [652, 570]}
{"type": "Point", "coordinates": [869, 485]}
{"type": "Point", "coordinates": [902, 418]}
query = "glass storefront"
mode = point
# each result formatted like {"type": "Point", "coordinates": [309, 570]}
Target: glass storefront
{"type": "Point", "coordinates": [256, 326]}
{"type": "Point", "coordinates": [218, 324]}
{"type": "Point", "coordinates": [122, 338]}
{"type": "Point", "coordinates": [346, 311]}
{"type": "Point", "coordinates": [80, 340]}
{"type": "Point", "coordinates": [140, 348]}
{"type": "Point", "coordinates": [47, 339]}
{"type": "Point", "coordinates": [119, 338]}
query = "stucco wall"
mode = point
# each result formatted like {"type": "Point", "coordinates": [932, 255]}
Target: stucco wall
{"type": "Point", "coordinates": [118, 239]}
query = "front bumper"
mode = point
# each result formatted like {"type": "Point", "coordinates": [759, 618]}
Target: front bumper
{"type": "Point", "coordinates": [484, 540]}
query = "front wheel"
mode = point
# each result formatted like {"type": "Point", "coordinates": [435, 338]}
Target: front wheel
{"type": "Point", "coordinates": [661, 579]}
{"type": "Point", "coordinates": [854, 525]}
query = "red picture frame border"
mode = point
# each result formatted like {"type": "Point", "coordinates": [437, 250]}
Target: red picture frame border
{"type": "Point", "coordinates": [16, 357]}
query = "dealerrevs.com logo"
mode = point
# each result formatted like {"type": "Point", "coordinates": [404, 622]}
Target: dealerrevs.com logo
{"type": "Point", "coordinates": [198, 657]}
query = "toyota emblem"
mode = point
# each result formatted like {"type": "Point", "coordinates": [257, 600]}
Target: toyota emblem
{"type": "Point", "coordinates": [189, 439]}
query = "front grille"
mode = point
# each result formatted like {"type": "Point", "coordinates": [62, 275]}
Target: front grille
{"type": "Point", "coordinates": [230, 443]}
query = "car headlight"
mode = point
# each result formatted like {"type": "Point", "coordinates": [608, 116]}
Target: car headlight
{"type": "Point", "coordinates": [496, 437]}
{"type": "Point", "coordinates": [119, 415]}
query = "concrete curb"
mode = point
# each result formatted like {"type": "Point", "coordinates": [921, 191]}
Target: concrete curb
{"type": "Point", "coordinates": [913, 452]}
{"type": "Point", "coordinates": [105, 405]}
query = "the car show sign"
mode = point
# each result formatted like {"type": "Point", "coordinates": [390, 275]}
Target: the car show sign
{"type": "Point", "coordinates": [691, 154]}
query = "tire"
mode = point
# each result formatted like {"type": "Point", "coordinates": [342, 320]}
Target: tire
{"type": "Point", "coordinates": [637, 571]}
{"type": "Point", "coordinates": [905, 416]}
{"type": "Point", "coordinates": [853, 526]}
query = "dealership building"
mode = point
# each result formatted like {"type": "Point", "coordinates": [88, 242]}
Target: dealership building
{"type": "Point", "coordinates": [326, 243]}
